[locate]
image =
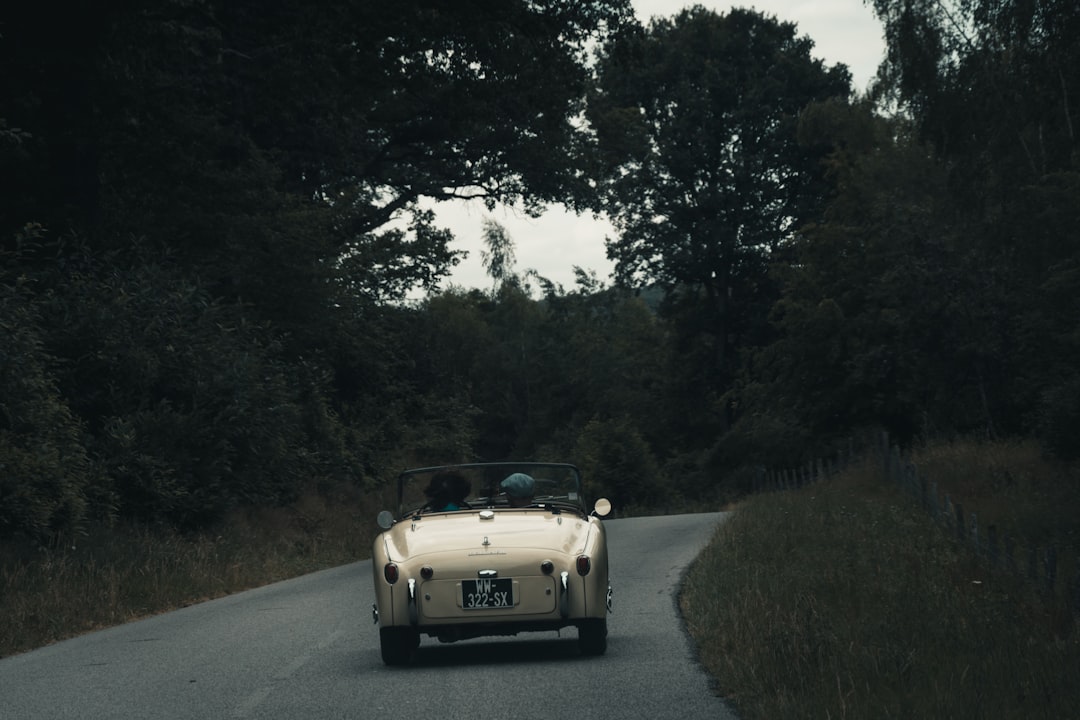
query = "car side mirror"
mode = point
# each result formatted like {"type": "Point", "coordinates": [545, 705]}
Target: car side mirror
{"type": "Point", "coordinates": [602, 507]}
{"type": "Point", "coordinates": [385, 519]}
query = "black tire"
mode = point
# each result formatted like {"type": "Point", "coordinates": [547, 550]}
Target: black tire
{"type": "Point", "coordinates": [397, 644]}
{"type": "Point", "coordinates": [592, 637]}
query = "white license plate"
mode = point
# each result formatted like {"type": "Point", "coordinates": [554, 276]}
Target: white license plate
{"type": "Point", "coordinates": [485, 594]}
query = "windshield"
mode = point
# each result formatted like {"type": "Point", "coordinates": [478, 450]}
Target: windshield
{"type": "Point", "coordinates": [489, 485]}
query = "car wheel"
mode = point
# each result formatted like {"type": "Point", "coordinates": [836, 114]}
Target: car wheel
{"type": "Point", "coordinates": [592, 637]}
{"type": "Point", "coordinates": [397, 644]}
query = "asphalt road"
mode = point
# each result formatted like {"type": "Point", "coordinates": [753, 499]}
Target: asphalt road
{"type": "Point", "coordinates": [306, 649]}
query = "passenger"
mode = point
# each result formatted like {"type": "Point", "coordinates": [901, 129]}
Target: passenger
{"type": "Point", "coordinates": [447, 491]}
{"type": "Point", "coordinates": [519, 489]}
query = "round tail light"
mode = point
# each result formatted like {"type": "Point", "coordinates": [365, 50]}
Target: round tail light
{"type": "Point", "coordinates": [390, 572]}
{"type": "Point", "coordinates": [584, 565]}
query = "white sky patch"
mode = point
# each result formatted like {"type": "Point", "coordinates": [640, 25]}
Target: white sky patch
{"type": "Point", "coordinates": [843, 31]}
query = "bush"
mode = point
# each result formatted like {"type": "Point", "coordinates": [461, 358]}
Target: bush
{"type": "Point", "coordinates": [43, 465]}
{"type": "Point", "coordinates": [191, 408]}
{"type": "Point", "coordinates": [756, 441]}
{"type": "Point", "coordinates": [618, 464]}
{"type": "Point", "coordinates": [1060, 419]}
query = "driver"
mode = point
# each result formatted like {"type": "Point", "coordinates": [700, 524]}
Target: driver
{"type": "Point", "coordinates": [519, 489]}
{"type": "Point", "coordinates": [447, 491]}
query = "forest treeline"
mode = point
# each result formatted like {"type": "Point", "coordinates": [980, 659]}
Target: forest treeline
{"type": "Point", "coordinates": [215, 220]}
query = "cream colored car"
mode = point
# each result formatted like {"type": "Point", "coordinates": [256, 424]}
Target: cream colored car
{"type": "Point", "coordinates": [490, 549]}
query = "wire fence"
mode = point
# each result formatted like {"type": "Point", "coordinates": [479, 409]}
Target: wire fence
{"type": "Point", "coordinates": [1040, 566]}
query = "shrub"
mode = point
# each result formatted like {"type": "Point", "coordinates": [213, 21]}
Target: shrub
{"type": "Point", "coordinates": [618, 463]}
{"type": "Point", "coordinates": [43, 465]}
{"type": "Point", "coordinates": [1060, 419]}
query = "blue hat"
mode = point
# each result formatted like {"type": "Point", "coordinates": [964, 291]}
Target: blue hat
{"type": "Point", "coordinates": [518, 485]}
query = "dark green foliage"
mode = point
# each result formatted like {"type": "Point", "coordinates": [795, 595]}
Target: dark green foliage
{"type": "Point", "coordinates": [706, 181]}
{"type": "Point", "coordinates": [529, 374]}
{"type": "Point", "coordinates": [619, 465]}
{"type": "Point", "coordinates": [1053, 331]}
{"type": "Point", "coordinates": [225, 199]}
{"type": "Point", "coordinates": [698, 115]}
{"type": "Point", "coordinates": [191, 407]}
{"type": "Point", "coordinates": [1059, 420]}
{"type": "Point", "coordinates": [213, 214]}
{"type": "Point", "coordinates": [757, 441]}
{"type": "Point", "coordinates": [44, 470]}
{"type": "Point", "coordinates": [935, 297]}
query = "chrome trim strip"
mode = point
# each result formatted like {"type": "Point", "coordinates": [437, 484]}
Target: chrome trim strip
{"type": "Point", "coordinates": [414, 612]}
{"type": "Point", "coordinates": [564, 596]}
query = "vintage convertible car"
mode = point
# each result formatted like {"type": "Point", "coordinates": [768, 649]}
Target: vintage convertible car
{"type": "Point", "coordinates": [490, 549]}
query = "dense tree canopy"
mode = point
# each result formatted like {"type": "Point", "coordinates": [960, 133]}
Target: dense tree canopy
{"type": "Point", "coordinates": [209, 205]}
{"type": "Point", "coordinates": [930, 299]}
{"type": "Point", "coordinates": [265, 140]}
{"type": "Point", "coordinates": [211, 214]}
{"type": "Point", "coordinates": [707, 182]}
{"type": "Point", "coordinates": [993, 88]}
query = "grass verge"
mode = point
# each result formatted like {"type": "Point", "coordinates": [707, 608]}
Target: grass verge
{"type": "Point", "coordinates": [844, 600]}
{"type": "Point", "coordinates": [123, 574]}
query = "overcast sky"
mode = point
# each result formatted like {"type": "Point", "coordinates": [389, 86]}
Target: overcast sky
{"type": "Point", "coordinates": [843, 31]}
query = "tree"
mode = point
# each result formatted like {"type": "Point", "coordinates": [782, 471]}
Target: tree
{"type": "Point", "coordinates": [698, 115]}
{"type": "Point", "coordinates": [888, 318]}
{"type": "Point", "coordinates": [993, 80]}
{"type": "Point", "coordinates": [265, 140]}
{"type": "Point", "coordinates": [242, 182]}
{"type": "Point", "coordinates": [499, 257]}
{"type": "Point", "coordinates": [474, 100]}
{"type": "Point", "coordinates": [991, 86]}
{"type": "Point", "coordinates": [706, 183]}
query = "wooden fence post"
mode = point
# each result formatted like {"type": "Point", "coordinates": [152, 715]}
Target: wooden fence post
{"type": "Point", "coordinates": [992, 546]}
{"type": "Point", "coordinates": [883, 453]}
{"type": "Point", "coordinates": [1074, 592]}
{"type": "Point", "coordinates": [1051, 568]}
{"type": "Point", "coordinates": [975, 533]}
{"type": "Point", "coordinates": [918, 486]}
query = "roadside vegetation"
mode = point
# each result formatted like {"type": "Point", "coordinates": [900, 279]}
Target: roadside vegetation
{"type": "Point", "coordinates": [843, 599]}
{"type": "Point", "coordinates": [114, 577]}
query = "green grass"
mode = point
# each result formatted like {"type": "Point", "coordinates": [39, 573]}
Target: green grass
{"type": "Point", "coordinates": [111, 577]}
{"type": "Point", "coordinates": [844, 600]}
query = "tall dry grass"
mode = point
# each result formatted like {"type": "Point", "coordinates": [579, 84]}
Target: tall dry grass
{"type": "Point", "coordinates": [1012, 485]}
{"type": "Point", "coordinates": [111, 577]}
{"type": "Point", "coordinates": [844, 600]}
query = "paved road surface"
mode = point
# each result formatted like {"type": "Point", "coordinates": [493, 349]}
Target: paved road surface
{"type": "Point", "coordinates": [305, 649]}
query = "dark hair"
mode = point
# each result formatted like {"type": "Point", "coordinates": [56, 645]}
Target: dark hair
{"type": "Point", "coordinates": [447, 487]}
